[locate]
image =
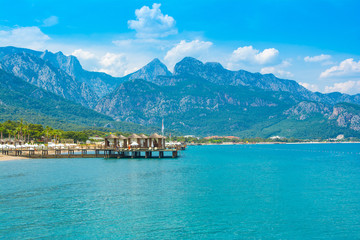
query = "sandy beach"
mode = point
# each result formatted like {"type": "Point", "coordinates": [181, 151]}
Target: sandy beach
{"type": "Point", "coordinates": [10, 158]}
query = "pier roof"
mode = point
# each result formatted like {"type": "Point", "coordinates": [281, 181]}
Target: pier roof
{"type": "Point", "coordinates": [143, 136]}
{"type": "Point", "coordinates": [134, 136]}
{"type": "Point", "coordinates": [111, 136]}
{"type": "Point", "coordinates": [122, 137]}
{"type": "Point", "coordinates": [155, 135]}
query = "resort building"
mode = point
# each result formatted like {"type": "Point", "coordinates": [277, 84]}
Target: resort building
{"type": "Point", "coordinates": [222, 137]}
{"type": "Point", "coordinates": [123, 143]}
{"type": "Point", "coordinates": [135, 141]}
{"type": "Point", "coordinates": [144, 141]}
{"type": "Point", "coordinates": [157, 141]}
{"type": "Point", "coordinates": [111, 141]}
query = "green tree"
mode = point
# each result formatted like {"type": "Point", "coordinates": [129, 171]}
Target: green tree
{"type": "Point", "coordinates": [48, 132]}
{"type": "Point", "coordinates": [57, 134]}
{"type": "Point", "coordinates": [26, 132]}
{"type": "Point", "coordinates": [21, 127]}
{"type": "Point", "coordinates": [36, 131]}
{"type": "Point", "coordinates": [18, 130]}
{"type": "Point", "coordinates": [2, 129]}
{"type": "Point", "coordinates": [10, 133]}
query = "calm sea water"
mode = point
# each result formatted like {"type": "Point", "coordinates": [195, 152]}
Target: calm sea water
{"type": "Point", "coordinates": [211, 192]}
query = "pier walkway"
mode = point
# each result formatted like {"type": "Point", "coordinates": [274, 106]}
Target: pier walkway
{"type": "Point", "coordinates": [93, 153]}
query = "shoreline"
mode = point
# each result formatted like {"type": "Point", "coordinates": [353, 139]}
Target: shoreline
{"type": "Point", "coordinates": [264, 143]}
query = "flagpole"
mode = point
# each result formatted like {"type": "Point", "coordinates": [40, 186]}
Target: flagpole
{"type": "Point", "coordinates": [162, 127]}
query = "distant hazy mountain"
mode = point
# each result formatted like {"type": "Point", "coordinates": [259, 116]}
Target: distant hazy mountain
{"type": "Point", "coordinates": [57, 73]}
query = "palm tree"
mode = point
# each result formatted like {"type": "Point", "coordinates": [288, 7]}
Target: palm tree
{"type": "Point", "coordinates": [48, 131]}
{"type": "Point", "coordinates": [10, 133]}
{"type": "Point", "coordinates": [2, 129]}
{"type": "Point", "coordinates": [21, 126]}
{"type": "Point", "coordinates": [27, 132]}
{"type": "Point", "coordinates": [18, 130]}
{"type": "Point", "coordinates": [33, 134]}
{"type": "Point", "coordinates": [57, 135]}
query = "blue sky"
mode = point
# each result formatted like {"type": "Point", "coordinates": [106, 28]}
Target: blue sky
{"type": "Point", "coordinates": [313, 42]}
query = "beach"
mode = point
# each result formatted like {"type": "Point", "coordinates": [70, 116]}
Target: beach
{"type": "Point", "coordinates": [11, 158]}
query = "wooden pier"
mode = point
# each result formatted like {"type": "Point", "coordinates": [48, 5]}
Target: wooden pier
{"type": "Point", "coordinates": [133, 146]}
{"type": "Point", "coordinates": [93, 153]}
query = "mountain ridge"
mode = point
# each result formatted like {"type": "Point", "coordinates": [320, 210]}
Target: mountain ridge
{"type": "Point", "coordinates": [60, 74]}
{"type": "Point", "coordinates": [217, 92]}
{"type": "Point", "coordinates": [209, 70]}
{"type": "Point", "coordinates": [197, 98]}
{"type": "Point", "coordinates": [22, 100]}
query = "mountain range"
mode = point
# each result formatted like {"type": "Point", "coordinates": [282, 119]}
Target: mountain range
{"type": "Point", "coordinates": [196, 98]}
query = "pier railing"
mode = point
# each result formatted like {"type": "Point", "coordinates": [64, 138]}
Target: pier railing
{"type": "Point", "coordinates": [89, 151]}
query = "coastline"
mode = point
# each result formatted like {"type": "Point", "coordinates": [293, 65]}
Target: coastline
{"type": "Point", "coordinates": [4, 158]}
{"type": "Point", "coordinates": [267, 143]}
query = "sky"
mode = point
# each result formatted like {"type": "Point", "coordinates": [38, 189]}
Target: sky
{"type": "Point", "coordinates": [315, 43]}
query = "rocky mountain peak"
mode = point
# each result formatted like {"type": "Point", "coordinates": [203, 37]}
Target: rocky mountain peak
{"type": "Point", "coordinates": [150, 71]}
{"type": "Point", "coordinates": [188, 65]}
{"type": "Point", "coordinates": [155, 61]}
{"type": "Point", "coordinates": [214, 65]}
{"type": "Point", "coordinates": [69, 64]}
{"type": "Point", "coordinates": [156, 67]}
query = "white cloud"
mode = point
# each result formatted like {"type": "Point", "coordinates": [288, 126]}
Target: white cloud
{"type": "Point", "coordinates": [82, 54]}
{"type": "Point", "coordinates": [266, 56]}
{"type": "Point", "coordinates": [319, 58]}
{"type": "Point", "coordinates": [110, 59]}
{"type": "Point", "coordinates": [311, 87]}
{"type": "Point", "coordinates": [50, 21]}
{"type": "Point", "coordinates": [252, 55]}
{"type": "Point", "coordinates": [348, 67]}
{"type": "Point", "coordinates": [27, 37]}
{"type": "Point", "coordinates": [195, 48]}
{"type": "Point", "coordinates": [152, 23]}
{"type": "Point", "coordinates": [278, 70]}
{"type": "Point", "coordinates": [113, 64]}
{"type": "Point", "coordinates": [351, 87]}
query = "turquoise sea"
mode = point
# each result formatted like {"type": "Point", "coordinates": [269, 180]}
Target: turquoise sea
{"type": "Point", "coordinates": [280, 191]}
